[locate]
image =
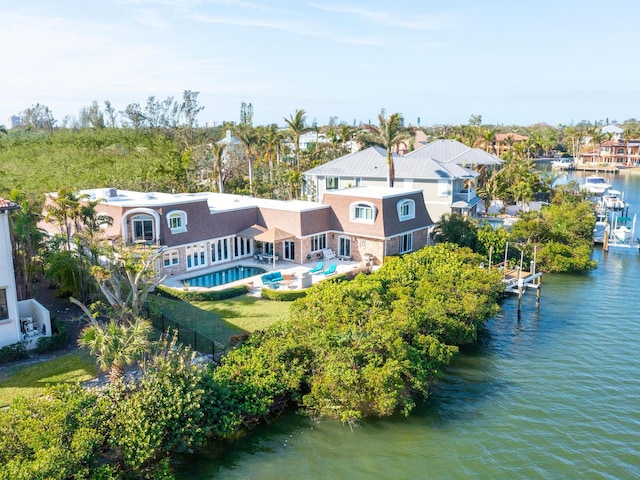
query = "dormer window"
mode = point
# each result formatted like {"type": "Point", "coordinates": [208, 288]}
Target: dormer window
{"type": "Point", "coordinates": [142, 228]}
{"type": "Point", "coordinates": [177, 221]}
{"type": "Point", "coordinates": [406, 210]}
{"type": "Point", "coordinates": [363, 212]}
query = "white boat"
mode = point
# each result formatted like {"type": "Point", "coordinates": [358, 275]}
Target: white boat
{"type": "Point", "coordinates": [565, 163]}
{"type": "Point", "coordinates": [599, 231]}
{"type": "Point", "coordinates": [596, 185]}
{"type": "Point", "coordinates": [622, 233]}
{"type": "Point", "coordinates": [613, 200]}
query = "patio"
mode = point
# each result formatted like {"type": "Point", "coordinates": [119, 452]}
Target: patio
{"type": "Point", "coordinates": [294, 276]}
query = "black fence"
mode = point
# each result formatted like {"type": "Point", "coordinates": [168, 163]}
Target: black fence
{"type": "Point", "coordinates": [188, 336]}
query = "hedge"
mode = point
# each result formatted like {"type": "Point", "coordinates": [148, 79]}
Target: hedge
{"type": "Point", "coordinates": [56, 341]}
{"type": "Point", "coordinates": [15, 351]}
{"type": "Point", "coordinates": [282, 295]}
{"type": "Point", "coordinates": [202, 296]}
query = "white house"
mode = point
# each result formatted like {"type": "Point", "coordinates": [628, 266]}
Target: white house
{"type": "Point", "coordinates": [24, 320]}
{"type": "Point", "coordinates": [447, 184]}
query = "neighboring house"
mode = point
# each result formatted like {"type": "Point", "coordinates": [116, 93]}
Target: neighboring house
{"type": "Point", "coordinates": [506, 141]}
{"type": "Point", "coordinates": [452, 151]}
{"type": "Point", "coordinates": [312, 137]}
{"type": "Point", "coordinates": [233, 147]}
{"type": "Point", "coordinates": [24, 320]}
{"type": "Point", "coordinates": [615, 133]}
{"type": "Point", "coordinates": [197, 231]}
{"type": "Point", "coordinates": [447, 185]}
{"type": "Point", "coordinates": [613, 152]}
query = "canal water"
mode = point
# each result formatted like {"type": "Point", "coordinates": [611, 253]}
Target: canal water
{"type": "Point", "coordinates": [555, 394]}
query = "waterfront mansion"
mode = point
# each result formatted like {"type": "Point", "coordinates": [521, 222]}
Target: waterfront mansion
{"type": "Point", "coordinates": [198, 231]}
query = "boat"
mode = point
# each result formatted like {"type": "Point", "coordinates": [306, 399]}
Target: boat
{"type": "Point", "coordinates": [613, 200]}
{"type": "Point", "coordinates": [622, 233]}
{"type": "Point", "coordinates": [565, 163]}
{"type": "Point", "coordinates": [596, 184]}
{"type": "Point", "coordinates": [599, 231]}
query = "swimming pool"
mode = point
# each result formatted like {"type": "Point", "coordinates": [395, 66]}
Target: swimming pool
{"type": "Point", "coordinates": [222, 277]}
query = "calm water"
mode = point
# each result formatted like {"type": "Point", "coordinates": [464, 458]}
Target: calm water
{"type": "Point", "coordinates": [554, 395]}
{"type": "Point", "coordinates": [222, 277]}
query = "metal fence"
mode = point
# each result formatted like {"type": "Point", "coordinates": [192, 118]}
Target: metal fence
{"type": "Point", "coordinates": [187, 335]}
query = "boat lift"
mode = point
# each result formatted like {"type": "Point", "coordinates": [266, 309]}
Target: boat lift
{"type": "Point", "coordinates": [619, 235]}
{"type": "Point", "coordinates": [517, 280]}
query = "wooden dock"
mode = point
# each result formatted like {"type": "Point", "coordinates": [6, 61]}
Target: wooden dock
{"type": "Point", "coordinates": [604, 168]}
{"type": "Point", "coordinates": [517, 280]}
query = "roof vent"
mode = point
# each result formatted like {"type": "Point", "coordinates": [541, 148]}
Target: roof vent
{"type": "Point", "coordinates": [109, 193]}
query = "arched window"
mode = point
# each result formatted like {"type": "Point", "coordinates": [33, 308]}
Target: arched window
{"type": "Point", "coordinates": [406, 210]}
{"type": "Point", "coordinates": [142, 228]}
{"type": "Point", "coordinates": [177, 221]}
{"type": "Point", "coordinates": [363, 212]}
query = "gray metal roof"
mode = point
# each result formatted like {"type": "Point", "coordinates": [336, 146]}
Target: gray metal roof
{"type": "Point", "coordinates": [452, 151]}
{"type": "Point", "coordinates": [372, 163]}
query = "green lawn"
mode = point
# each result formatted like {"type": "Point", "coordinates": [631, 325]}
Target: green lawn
{"type": "Point", "coordinates": [31, 380]}
{"type": "Point", "coordinates": [217, 320]}
{"type": "Point", "coordinates": [221, 319]}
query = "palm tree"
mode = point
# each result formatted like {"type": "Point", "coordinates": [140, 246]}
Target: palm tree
{"type": "Point", "coordinates": [345, 132]}
{"type": "Point", "coordinates": [247, 136]}
{"type": "Point", "coordinates": [116, 345]}
{"type": "Point", "coordinates": [66, 210]}
{"type": "Point", "coordinates": [297, 128]}
{"type": "Point", "coordinates": [388, 134]}
{"type": "Point", "coordinates": [272, 140]}
{"type": "Point", "coordinates": [218, 149]}
{"type": "Point", "coordinates": [489, 137]}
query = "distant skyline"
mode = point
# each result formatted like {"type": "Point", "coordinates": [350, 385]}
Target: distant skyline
{"type": "Point", "coordinates": [512, 62]}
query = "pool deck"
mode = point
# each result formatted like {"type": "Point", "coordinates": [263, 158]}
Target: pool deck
{"type": "Point", "coordinates": [292, 272]}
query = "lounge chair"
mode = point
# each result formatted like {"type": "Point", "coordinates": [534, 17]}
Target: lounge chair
{"type": "Point", "coordinates": [331, 270]}
{"type": "Point", "coordinates": [318, 268]}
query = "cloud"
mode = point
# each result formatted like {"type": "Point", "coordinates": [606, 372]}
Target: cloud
{"type": "Point", "coordinates": [406, 20]}
{"type": "Point", "coordinates": [297, 27]}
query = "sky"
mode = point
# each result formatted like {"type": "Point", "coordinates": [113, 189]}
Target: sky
{"type": "Point", "coordinates": [515, 62]}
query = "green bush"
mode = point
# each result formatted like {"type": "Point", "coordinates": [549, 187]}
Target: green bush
{"type": "Point", "coordinates": [56, 341]}
{"type": "Point", "coordinates": [189, 296]}
{"type": "Point", "coordinates": [282, 295]}
{"type": "Point", "coordinates": [16, 351]}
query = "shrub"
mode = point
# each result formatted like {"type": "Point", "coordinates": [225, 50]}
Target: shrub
{"type": "Point", "coordinates": [56, 341]}
{"type": "Point", "coordinates": [210, 295]}
{"type": "Point", "coordinates": [16, 351]}
{"type": "Point", "coordinates": [282, 295]}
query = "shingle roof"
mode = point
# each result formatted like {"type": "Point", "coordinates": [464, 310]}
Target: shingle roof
{"type": "Point", "coordinates": [7, 205]}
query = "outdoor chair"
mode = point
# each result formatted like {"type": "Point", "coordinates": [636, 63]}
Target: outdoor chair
{"type": "Point", "coordinates": [318, 268]}
{"type": "Point", "coordinates": [331, 270]}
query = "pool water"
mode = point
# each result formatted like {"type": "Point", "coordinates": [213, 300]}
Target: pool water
{"type": "Point", "coordinates": [222, 277]}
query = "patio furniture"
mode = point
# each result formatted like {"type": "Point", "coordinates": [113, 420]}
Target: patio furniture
{"type": "Point", "coordinates": [318, 268]}
{"type": "Point", "coordinates": [331, 270]}
{"type": "Point", "coordinates": [328, 254]}
{"type": "Point", "coordinates": [271, 278]}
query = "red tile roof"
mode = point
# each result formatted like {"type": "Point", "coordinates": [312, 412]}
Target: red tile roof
{"type": "Point", "coordinates": [7, 205]}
